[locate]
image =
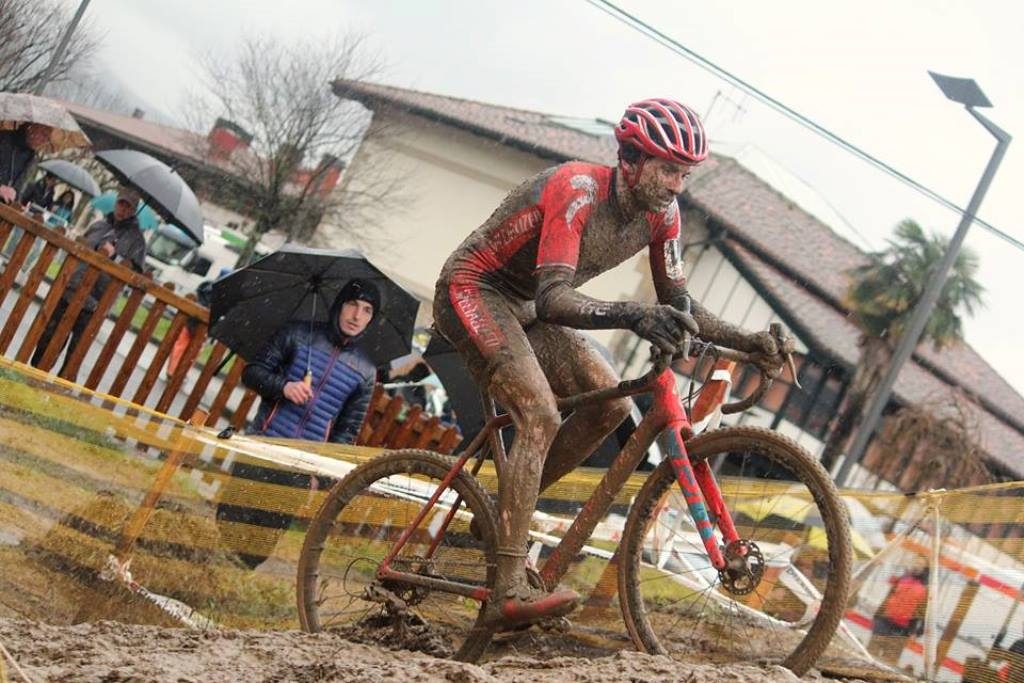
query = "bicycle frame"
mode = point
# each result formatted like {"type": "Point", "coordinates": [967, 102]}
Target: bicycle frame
{"type": "Point", "coordinates": [697, 482]}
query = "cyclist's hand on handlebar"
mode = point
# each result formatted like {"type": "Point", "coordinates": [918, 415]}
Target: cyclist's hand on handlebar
{"type": "Point", "coordinates": [769, 353]}
{"type": "Point", "coordinates": [666, 327]}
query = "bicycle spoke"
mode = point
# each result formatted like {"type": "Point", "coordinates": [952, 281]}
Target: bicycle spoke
{"type": "Point", "coordinates": [370, 511]}
{"type": "Point", "coordinates": [755, 608]}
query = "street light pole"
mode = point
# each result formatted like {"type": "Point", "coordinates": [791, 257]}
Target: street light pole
{"type": "Point", "coordinates": [58, 54]}
{"type": "Point", "coordinates": [968, 93]}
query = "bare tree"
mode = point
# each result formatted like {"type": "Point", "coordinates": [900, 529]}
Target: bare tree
{"type": "Point", "coordinates": [279, 98]}
{"type": "Point", "coordinates": [94, 91]}
{"type": "Point", "coordinates": [29, 32]}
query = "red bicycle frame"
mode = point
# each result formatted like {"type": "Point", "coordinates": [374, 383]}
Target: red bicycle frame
{"type": "Point", "coordinates": [697, 482]}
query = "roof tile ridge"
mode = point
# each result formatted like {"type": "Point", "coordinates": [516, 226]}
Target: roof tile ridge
{"type": "Point", "coordinates": [801, 279]}
{"type": "Point", "coordinates": [924, 364]}
{"type": "Point", "coordinates": [789, 201]}
{"type": "Point", "coordinates": [398, 90]}
{"type": "Point", "coordinates": [126, 117]}
{"type": "Point", "coordinates": [979, 397]}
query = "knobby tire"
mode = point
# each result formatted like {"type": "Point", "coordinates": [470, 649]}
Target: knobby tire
{"type": "Point", "coordinates": [632, 576]}
{"type": "Point", "coordinates": [349, 502]}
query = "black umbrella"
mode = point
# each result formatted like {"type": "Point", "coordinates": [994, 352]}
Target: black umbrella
{"type": "Point", "coordinates": [73, 175]}
{"type": "Point", "coordinates": [297, 283]}
{"type": "Point", "coordinates": [162, 188]}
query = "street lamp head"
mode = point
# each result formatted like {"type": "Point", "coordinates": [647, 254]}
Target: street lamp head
{"type": "Point", "coordinates": [962, 90]}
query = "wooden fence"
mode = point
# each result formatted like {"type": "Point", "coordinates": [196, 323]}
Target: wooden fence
{"type": "Point", "coordinates": [129, 362]}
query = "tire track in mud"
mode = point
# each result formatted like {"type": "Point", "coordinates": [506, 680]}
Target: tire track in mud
{"type": "Point", "coordinates": [108, 651]}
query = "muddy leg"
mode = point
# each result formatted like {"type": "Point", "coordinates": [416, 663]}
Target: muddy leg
{"type": "Point", "coordinates": [520, 386]}
{"type": "Point", "coordinates": [572, 365]}
{"type": "Point", "coordinates": [580, 436]}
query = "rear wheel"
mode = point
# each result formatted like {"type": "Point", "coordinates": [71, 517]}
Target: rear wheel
{"type": "Point", "coordinates": [358, 525]}
{"type": "Point", "coordinates": [787, 590]}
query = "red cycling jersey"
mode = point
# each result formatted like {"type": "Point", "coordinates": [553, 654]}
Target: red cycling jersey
{"type": "Point", "coordinates": [564, 216]}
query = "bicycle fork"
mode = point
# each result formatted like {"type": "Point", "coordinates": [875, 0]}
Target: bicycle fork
{"type": "Point", "coordinates": [700, 490]}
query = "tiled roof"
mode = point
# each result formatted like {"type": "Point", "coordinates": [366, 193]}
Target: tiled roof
{"type": "Point", "coordinates": [801, 247]}
{"type": "Point", "coordinates": [529, 130]}
{"type": "Point", "coordinates": [167, 139]}
{"type": "Point", "coordinates": [814, 256]}
{"type": "Point", "coordinates": [823, 326]}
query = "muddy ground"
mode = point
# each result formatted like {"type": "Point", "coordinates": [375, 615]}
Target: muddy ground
{"type": "Point", "coordinates": [105, 652]}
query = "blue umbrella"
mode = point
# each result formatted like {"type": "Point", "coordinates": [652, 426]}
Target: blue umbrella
{"type": "Point", "coordinates": [147, 217]}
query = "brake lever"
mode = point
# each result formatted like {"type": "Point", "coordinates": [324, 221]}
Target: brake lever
{"type": "Point", "coordinates": [778, 332]}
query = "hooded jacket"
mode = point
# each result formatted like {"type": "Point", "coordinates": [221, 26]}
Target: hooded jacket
{"type": "Point", "coordinates": [343, 377]}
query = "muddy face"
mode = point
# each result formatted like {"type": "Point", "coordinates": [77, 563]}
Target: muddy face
{"type": "Point", "coordinates": [659, 183]}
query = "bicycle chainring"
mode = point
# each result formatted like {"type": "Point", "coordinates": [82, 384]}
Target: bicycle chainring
{"type": "Point", "coordinates": [744, 567]}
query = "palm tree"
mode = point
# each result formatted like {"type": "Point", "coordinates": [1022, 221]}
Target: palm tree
{"type": "Point", "coordinates": [882, 296]}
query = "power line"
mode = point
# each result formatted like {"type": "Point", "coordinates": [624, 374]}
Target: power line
{"type": "Point", "coordinates": [649, 31]}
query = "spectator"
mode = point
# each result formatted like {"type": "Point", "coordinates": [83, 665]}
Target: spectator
{"type": "Point", "coordinates": [901, 614]}
{"type": "Point", "coordinates": [116, 236]}
{"type": "Point", "coordinates": [62, 209]}
{"type": "Point", "coordinates": [315, 383]}
{"type": "Point", "coordinates": [41, 192]}
{"type": "Point", "coordinates": [15, 155]}
{"type": "Point", "coordinates": [60, 216]}
{"type": "Point", "coordinates": [203, 294]}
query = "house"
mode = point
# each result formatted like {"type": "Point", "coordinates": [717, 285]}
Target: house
{"type": "Point", "coordinates": [752, 255]}
{"type": "Point", "coordinates": [208, 163]}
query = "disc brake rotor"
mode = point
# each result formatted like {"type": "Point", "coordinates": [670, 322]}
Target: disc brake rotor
{"type": "Point", "coordinates": [744, 567]}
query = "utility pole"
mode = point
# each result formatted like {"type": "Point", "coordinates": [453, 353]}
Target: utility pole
{"type": "Point", "coordinates": [58, 54]}
{"type": "Point", "coordinates": [966, 92]}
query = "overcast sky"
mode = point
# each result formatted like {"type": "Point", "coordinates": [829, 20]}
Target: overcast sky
{"type": "Point", "coordinates": [857, 68]}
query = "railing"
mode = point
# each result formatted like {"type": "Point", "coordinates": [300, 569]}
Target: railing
{"type": "Point", "coordinates": [130, 361]}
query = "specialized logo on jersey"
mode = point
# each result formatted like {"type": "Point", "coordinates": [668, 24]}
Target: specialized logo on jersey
{"type": "Point", "coordinates": [473, 313]}
{"type": "Point", "coordinates": [514, 228]}
{"type": "Point", "coordinates": [589, 187]}
{"type": "Point", "coordinates": [673, 260]}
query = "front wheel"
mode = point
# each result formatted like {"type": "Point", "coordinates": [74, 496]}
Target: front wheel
{"type": "Point", "coordinates": [788, 594]}
{"type": "Point", "coordinates": [356, 528]}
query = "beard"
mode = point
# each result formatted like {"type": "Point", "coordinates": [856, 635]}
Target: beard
{"type": "Point", "coordinates": [651, 197]}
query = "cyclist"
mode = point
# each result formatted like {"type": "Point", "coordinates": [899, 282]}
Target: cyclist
{"type": "Point", "coordinates": [507, 300]}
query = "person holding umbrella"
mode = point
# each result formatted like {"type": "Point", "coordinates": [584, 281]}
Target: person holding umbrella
{"type": "Point", "coordinates": [315, 383]}
{"type": "Point", "coordinates": [31, 125]}
{"type": "Point", "coordinates": [41, 192]}
{"type": "Point", "coordinates": [116, 236]}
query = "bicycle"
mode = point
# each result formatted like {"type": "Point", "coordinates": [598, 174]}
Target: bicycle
{"type": "Point", "coordinates": [392, 547]}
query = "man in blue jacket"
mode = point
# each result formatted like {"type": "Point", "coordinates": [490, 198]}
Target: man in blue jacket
{"type": "Point", "coordinates": [315, 384]}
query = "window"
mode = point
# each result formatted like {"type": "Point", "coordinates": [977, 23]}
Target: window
{"type": "Point", "coordinates": [826, 405]}
{"type": "Point", "coordinates": [167, 250]}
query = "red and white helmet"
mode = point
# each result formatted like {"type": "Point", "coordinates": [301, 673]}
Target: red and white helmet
{"type": "Point", "coordinates": [665, 129]}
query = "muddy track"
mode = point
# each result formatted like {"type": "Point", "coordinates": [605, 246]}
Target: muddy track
{"type": "Point", "coordinates": [110, 651]}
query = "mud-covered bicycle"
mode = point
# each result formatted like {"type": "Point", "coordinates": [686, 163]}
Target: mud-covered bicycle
{"type": "Point", "coordinates": [392, 547]}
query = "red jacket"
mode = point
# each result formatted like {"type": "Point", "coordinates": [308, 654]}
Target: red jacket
{"type": "Point", "coordinates": [906, 598]}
